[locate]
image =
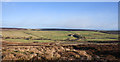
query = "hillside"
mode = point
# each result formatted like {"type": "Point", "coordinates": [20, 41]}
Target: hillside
{"type": "Point", "coordinates": [48, 35]}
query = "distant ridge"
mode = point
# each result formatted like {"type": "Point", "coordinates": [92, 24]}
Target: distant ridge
{"type": "Point", "coordinates": [13, 28]}
{"type": "Point", "coordinates": [56, 29]}
{"type": "Point", "coordinates": [67, 30]}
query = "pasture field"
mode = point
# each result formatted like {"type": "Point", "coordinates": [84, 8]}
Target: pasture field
{"type": "Point", "coordinates": [51, 36]}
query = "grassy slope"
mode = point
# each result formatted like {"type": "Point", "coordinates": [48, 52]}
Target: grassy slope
{"type": "Point", "coordinates": [26, 41]}
{"type": "Point", "coordinates": [56, 35]}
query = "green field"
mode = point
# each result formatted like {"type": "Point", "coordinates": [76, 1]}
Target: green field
{"type": "Point", "coordinates": [51, 36]}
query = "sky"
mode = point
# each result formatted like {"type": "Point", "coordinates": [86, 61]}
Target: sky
{"type": "Point", "coordinates": [68, 15]}
{"type": "Point", "coordinates": [60, 0]}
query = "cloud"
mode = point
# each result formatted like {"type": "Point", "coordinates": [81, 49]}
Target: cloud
{"type": "Point", "coordinates": [60, 0]}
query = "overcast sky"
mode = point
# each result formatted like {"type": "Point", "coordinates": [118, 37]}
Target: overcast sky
{"type": "Point", "coordinates": [74, 15]}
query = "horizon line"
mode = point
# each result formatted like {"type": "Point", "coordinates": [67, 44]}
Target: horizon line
{"type": "Point", "coordinates": [60, 28]}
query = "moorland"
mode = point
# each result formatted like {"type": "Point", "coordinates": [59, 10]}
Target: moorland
{"type": "Point", "coordinates": [59, 44]}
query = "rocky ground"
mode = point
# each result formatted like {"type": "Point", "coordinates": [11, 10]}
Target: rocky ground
{"type": "Point", "coordinates": [60, 52]}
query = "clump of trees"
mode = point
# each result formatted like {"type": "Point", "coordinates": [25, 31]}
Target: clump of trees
{"type": "Point", "coordinates": [29, 38]}
{"type": "Point", "coordinates": [77, 36]}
